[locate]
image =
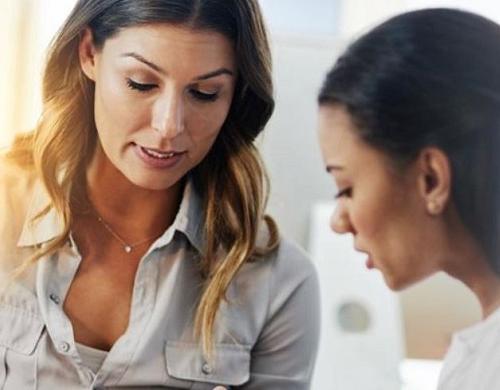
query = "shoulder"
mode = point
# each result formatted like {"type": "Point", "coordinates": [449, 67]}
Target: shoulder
{"type": "Point", "coordinates": [472, 353]}
{"type": "Point", "coordinates": [279, 286]}
{"type": "Point", "coordinates": [291, 259]}
{"type": "Point", "coordinates": [288, 262]}
{"type": "Point", "coordinates": [279, 274]}
{"type": "Point", "coordinates": [293, 281]}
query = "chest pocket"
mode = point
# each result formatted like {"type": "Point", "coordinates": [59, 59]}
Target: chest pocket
{"type": "Point", "coordinates": [231, 365]}
{"type": "Point", "coordinates": [20, 331]}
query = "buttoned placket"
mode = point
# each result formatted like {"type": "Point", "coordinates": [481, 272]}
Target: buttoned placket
{"type": "Point", "coordinates": [55, 273]}
{"type": "Point", "coordinates": [54, 276]}
{"type": "Point", "coordinates": [142, 304]}
{"type": "Point", "coordinates": [142, 307]}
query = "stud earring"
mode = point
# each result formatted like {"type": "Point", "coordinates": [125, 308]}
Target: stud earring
{"type": "Point", "coordinates": [433, 207]}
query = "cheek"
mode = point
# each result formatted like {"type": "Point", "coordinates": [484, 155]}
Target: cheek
{"type": "Point", "coordinates": [204, 125]}
{"type": "Point", "coordinates": [115, 109]}
{"type": "Point", "coordinates": [367, 217]}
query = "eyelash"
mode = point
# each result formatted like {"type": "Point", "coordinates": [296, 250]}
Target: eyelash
{"type": "Point", "coordinates": [139, 86]}
{"type": "Point", "coordinates": [201, 96]}
{"type": "Point", "coordinates": [346, 192]}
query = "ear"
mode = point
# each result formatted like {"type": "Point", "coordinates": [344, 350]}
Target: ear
{"type": "Point", "coordinates": [87, 53]}
{"type": "Point", "coordinates": [434, 180]}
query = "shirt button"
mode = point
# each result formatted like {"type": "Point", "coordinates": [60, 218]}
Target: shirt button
{"type": "Point", "coordinates": [54, 298]}
{"type": "Point", "coordinates": [64, 346]}
{"type": "Point", "coordinates": [206, 369]}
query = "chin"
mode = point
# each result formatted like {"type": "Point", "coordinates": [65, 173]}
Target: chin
{"type": "Point", "coordinates": [153, 184]}
{"type": "Point", "coordinates": [397, 284]}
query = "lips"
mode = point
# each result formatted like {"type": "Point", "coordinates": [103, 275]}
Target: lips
{"type": "Point", "coordinates": [369, 259]}
{"type": "Point", "coordinates": [162, 155]}
{"type": "Point", "coordinates": [159, 159]}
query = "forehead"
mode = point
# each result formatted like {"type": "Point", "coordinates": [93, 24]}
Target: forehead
{"type": "Point", "coordinates": [338, 133]}
{"type": "Point", "coordinates": [164, 43]}
{"type": "Point", "coordinates": [342, 146]}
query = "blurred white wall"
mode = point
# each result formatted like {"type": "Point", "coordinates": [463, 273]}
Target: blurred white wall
{"type": "Point", "coordinates": [302, 17]}
{"type": "Point", "coordinates": [49, 15]}
{"type": "Point", "coordinates": [289, 142]}
{"type": "Point", "coordinates": [488, 8]}
{"type": "Point", "coordinates": [16, 53]}
{"type": "Point", "coordinates": [26, 28]}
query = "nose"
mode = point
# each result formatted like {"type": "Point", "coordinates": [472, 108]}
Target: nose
{"type": "Point", "coordinates": [339, 221]}
{"type": "Point", "coordinates": [168, 115]}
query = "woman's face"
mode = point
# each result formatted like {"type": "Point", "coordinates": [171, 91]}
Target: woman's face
{"type": "Point", "coordinates": [378, 205]}
{"type": "Point", "coordinates": [162, 93]}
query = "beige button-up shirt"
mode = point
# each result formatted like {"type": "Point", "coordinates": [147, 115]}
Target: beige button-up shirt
{"type": "Point", "coordinates": [266, 335]}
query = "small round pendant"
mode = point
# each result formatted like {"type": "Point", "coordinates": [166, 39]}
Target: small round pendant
{"type": "Point", "coordinates": [128, 248]}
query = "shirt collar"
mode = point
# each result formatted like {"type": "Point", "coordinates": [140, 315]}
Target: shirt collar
{"type": "Point", "coordinates": [189, 219]}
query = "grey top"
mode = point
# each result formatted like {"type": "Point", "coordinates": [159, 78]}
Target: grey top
{"type": "Point", "coordinates": [266, 335]}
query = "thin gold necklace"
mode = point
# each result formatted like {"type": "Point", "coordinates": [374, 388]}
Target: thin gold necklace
{"type": "Point", "coordinates": [126, 246]}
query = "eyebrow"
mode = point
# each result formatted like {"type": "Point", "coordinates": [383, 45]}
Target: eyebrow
{"type": "Point", "coordinates": [155, 67]}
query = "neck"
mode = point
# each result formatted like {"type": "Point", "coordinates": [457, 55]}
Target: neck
{"type": "Point", "coordinates": [469, 265]}
{"type": "Point", "coordinates": [483, 282]}
{"type": "Point", "coordinates": [133, 212]}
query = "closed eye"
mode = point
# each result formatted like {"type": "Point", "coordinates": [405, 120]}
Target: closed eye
{"type": "Point", "coordinates": [140, 86]}
{"type": "Point", "coordinates": [203, 96]}
{"type": "Point", "coordinates": [346, 192]}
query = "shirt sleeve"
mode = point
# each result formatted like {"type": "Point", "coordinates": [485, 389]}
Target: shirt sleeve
{"type": "Point", "coordinates": [283, 357]}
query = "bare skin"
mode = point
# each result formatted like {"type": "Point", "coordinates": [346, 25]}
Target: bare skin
{"type": "Point", "coordinates": [466, 263]}
{"type": "Point", "coordinates": [100, 325]}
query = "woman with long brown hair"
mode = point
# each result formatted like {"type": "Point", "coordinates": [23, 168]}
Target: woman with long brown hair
{"type": "Point", "coordinates": [137, 250]}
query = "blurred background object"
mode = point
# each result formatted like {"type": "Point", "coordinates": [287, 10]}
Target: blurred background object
{"type": "Point", "coordinates": [26, 28]}
{"type": "Point", "coordinates": [306, 38]}
{"type": "Point", "coordinates": [362, 343]}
